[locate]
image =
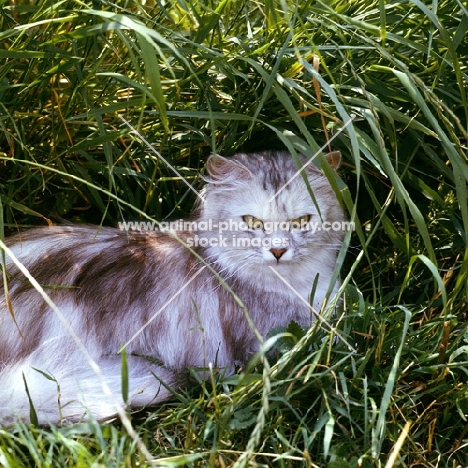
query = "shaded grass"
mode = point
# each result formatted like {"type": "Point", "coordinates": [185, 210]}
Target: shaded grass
{"type": "Point", "coordinates": [198, 78]}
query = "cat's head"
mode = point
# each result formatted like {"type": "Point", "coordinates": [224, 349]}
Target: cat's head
{"type": "Point", "coordinates": [263, 215]}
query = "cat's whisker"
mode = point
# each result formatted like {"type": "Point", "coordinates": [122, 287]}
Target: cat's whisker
{"type": "Point", "coordinates": [317, 314]}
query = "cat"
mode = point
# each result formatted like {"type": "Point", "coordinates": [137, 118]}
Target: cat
{"type": "Point", "coordinates": [147, 293]}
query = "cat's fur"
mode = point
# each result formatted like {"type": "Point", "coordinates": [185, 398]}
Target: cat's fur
{"type": "Point", "coordinates": [112, 283]}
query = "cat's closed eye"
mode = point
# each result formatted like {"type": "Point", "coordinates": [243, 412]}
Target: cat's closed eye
{"type": "Point", "coordinates": [298, 223]}
{"type": "Point", "coordinates": [252, 222]}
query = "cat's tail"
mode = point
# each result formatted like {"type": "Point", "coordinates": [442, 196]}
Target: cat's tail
{"type": "Point", "coordinates": [74, 392]}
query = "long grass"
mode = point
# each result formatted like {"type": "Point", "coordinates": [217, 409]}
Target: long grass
{"type": "Point", "coordinates": [193, 78]}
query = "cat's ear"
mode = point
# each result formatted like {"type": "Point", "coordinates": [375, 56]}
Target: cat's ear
{"type": "Point", "coordinates": [334, 159]}
{"type": "Point", "coordinates": [224, 169]}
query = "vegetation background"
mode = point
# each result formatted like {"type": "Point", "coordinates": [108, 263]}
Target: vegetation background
{"type": "Point", "coordinates": [196, 77]}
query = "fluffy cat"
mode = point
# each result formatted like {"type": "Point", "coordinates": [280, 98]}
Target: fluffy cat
{"type": "Point", "coordinates": [148, 291]}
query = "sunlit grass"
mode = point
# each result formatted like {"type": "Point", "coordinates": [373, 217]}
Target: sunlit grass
{"type": "Point", "coordinates": [197, 78]}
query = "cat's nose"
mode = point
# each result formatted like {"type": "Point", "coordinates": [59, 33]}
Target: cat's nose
{"type": "Point", "coordinates": [278, 253]}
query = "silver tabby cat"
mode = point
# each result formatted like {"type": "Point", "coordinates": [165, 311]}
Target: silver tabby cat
{"type": "Point", "coordinates": [148, 291]}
